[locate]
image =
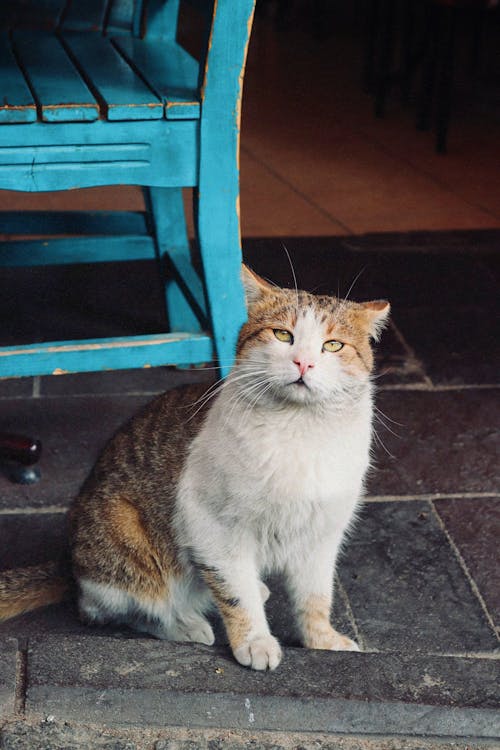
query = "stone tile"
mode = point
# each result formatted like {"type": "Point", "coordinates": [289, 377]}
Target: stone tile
{"type": "Point", "coordinates": [474, 526]}
{"type": "Point", "coordinates": [407, 590]}
{"type": "Point", "coordinates": [72, 431]}
{"type": "Point", "coordinates": [439, 441]}
{"type": "Point", "coordinates": [48, 735]}
{"type": "Point", "coordinates": [150, 380]}
{"type": "Point", "coordinates": [81, 301]}
{"type": "Point", "coordinates": [149, 683]}
{"type": "Point", "coordinates": [330, 265]}
{"type": "Point", "coordinates": [282, 620]}
{"type": "Point", "coordinates": [8, 657]}
{"type": "Point", "coordinates": [395, 363]}
{"type": "Point", "coordinates": [16, 388]}
{"type": "Point", "coordinates": [29, 539]}
{"type": "Point", "coordinates": [458, 345]}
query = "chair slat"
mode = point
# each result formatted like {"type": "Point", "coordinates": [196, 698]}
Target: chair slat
{"type": "Point", "coordinates": [125, 96]}
{"type": "Point", "coordinates": [57, 357]}
{"type": "Point", "coordinates": [169, 70]}
{"type": "Point", "coordinates": [59, 90]}
{"type": "Point", "coordinates": [85, 16]}
{"type": "Point", "coordinates": [16, 102]}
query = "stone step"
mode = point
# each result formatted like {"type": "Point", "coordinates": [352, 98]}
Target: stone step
{"type": "Point", "coordinates": [146, 684]}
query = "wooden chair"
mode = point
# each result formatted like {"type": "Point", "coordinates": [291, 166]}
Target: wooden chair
{"type": "Point", "coordinates": [101, 92]}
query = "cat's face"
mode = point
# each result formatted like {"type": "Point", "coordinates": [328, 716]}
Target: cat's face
{"type": "Point", "coordinates": [301, 348]}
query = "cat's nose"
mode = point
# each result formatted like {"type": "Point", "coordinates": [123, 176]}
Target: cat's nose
{"type": "Point", "coordinates": [304, 365]}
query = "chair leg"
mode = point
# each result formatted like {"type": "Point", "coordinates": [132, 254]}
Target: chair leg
{"type": "Point", "coordinates": [426, 98]}
{"type": "Point", "coordinates": [371, 15]}
{"type": "Point", "coordinates": [445, 79]}
{"type": "Point", "coordinates": [386, 58]}
{"type": "Point", "coordinates": [217, 218]}
{"type": "Point", "coordinates": [166, 209]}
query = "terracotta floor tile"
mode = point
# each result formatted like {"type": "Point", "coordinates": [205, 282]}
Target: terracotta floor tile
{"type": "Point", "coordinates": [272, 208]}
{"type": "Point", "coordinates": [113, 198]}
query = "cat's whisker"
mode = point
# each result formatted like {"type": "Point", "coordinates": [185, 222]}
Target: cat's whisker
{"type": "Point", "coordinates": [381, 443]}
{"type": "Point", "coordinates": [343, 302]}
{"type": "Point", "coordinates": [216, 388]}
{"type": "Point", "coordinates": [386, 427]}
{"type": "Point", "coordinates": [386, 416]}
{"type": "Point", "coordinates": [294, 277]}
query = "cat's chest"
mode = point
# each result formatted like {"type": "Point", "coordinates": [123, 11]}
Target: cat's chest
{"type": "Point", "coordinates": [292, 459]}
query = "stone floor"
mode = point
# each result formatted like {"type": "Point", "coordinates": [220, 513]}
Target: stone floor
{"type": "Point", "coordinates": [418, 584]}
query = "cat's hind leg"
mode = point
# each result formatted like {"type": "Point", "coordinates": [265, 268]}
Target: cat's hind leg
{"type": "Point", "coordinates": [176, 617]}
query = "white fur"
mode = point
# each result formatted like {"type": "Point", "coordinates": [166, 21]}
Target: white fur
{"type": "Point", "coordinates": [272, 480]}
{"type": "Point", "coordinates": [178, 618]}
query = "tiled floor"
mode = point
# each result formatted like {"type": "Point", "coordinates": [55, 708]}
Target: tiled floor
{"type": "Point", "coordinates": [420, 572]}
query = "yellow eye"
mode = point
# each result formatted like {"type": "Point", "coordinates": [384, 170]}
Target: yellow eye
{"type": "Point", "coordinates": [332, 346]}
{"type": "Point", "coordinates": [284, 336]}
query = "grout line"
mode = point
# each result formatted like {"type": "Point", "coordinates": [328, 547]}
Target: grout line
{"type": "Point", "coordinates": [32, 511]}
{"type": "Point", "coordinates": [36, 386]}
{"type": "Point", "coordinates": [294, 189]}
{"type": "Point", "coordinates": [350, 614]}
{"type": "Point", "coordinates": [87, 394]}
{"type": "Point", "coordinates": [436, 388]}
{"type": "Point", "coordinates": [21, 680]}
{"type": "Point", "coordinates": [430, 497]}
{"type": "Point", "coordinates": [466, 571]}
{"type": "Point", "coordinates": [424, 387]}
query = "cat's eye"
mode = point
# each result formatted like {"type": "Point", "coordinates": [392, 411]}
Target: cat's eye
{"type": "Point", "coordinates": [283, 335]}
{"type": "Point", "coordinates": [332, 346]}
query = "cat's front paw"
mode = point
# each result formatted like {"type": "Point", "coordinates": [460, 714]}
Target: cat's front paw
{"type": "Point", "coordinates": [262, 652]}
{"type": "Point", "coordinates": [330, 640]}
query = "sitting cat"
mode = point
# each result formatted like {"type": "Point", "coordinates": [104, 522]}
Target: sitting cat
{"type": "Point", "coordinates": [204, 492]}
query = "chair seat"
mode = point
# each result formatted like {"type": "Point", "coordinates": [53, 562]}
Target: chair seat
{"type": "Point", "coordinates": [84, 77]}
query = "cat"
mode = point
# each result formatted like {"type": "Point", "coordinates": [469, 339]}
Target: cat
{"type": "Point", "coordinates": [203, 493]}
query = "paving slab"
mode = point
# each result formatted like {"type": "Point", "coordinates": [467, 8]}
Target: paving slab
{"type": "Point", "coordinates": [437, 442]}
{"type": "Point", "coordinates": [81, 301]}
{"type": "Point", "coordinates": [149, 683]}
{"type": "Point", "coordinates": [405, 585]}
{"type": "Point", "coordinates": [458, 345]}
{"type": "Point", "coordinates": [474, 526]}
{"type": "Point", "coordinates": [381, 267]}
{"type": "Point", "coordinates": [54, 735]}
{"type": "Point", "coordinates": [72, 431]}
{"type": "Point", "coordinates": [148, 381]}
{"type": "Point", "coordinates": [8, 670]}
{"type": "Point", "coordinates": [29, 539]}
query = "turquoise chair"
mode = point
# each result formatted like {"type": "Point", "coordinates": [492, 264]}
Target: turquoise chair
{"type": "Point", "coordinates": [101, 92]}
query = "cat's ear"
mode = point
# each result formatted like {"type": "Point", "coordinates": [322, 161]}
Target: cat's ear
{"type": "Point", "coordinates": [377, 314]}
{"type": "Point", "coordinates": [255, 287]}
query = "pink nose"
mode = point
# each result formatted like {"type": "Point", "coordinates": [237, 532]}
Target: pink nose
{"type": "Point", "coordinates": [304, 365]}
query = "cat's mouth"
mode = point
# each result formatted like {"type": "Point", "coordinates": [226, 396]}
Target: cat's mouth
{"type": "Point", "coordinates": [299, 382]}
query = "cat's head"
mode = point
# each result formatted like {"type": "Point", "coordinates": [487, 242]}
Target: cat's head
{"type": "Point", "coordinates": [304, 348]}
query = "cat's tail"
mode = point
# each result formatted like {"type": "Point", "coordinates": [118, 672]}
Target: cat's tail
{"type": "Point", "coordinates": [24, 589]}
